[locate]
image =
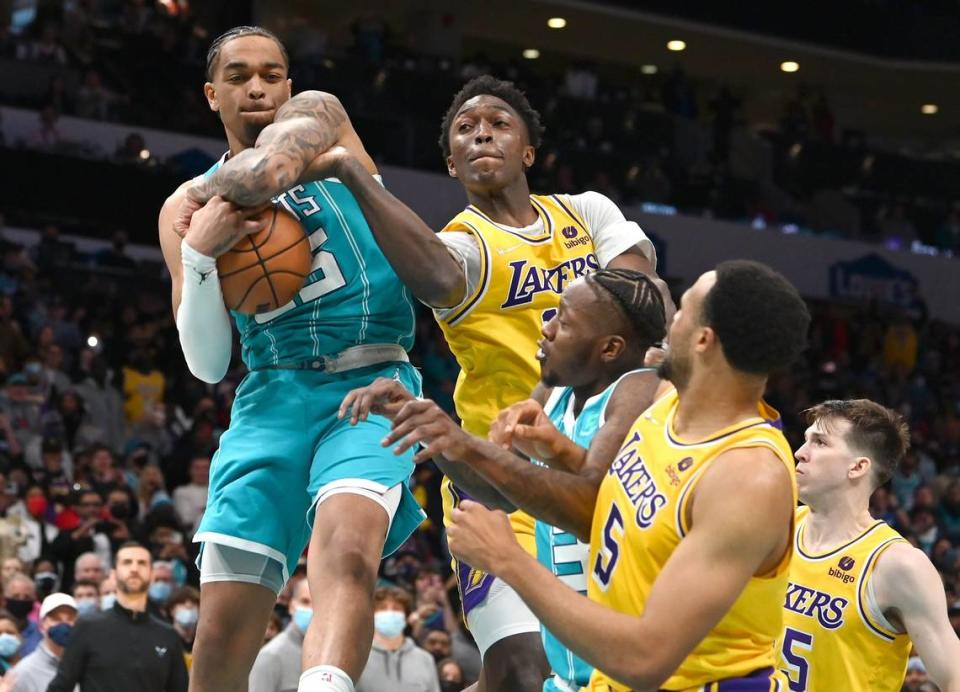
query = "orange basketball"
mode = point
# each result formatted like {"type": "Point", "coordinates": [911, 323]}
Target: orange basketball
{"type": "Point", "coordinates": [266, 269]}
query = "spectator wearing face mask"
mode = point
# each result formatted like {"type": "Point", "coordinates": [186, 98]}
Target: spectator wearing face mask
{"type": "Point", "coordinates": [161, 588]}
{"type": "Point", "coordinates": [35, 671]}
{"type": "Point", "coordinates": [20, 597]}
{"type": "Point", "coordinates": [108, 592]}
{"type": "Point", "coordinates": [184, 607]}
{"type": "Point", "coordinates": [46, 579]}
{"type": "Point", "coordinates": [10, 642]}
{"type": "Point", "coordinates": [277, 668]}
{"type": "Point", "coordinates": [451, 676]}
{"type": "Point", "coordinates": [396, 662]}
{"type": "Point", "coordinates": [86, 593]}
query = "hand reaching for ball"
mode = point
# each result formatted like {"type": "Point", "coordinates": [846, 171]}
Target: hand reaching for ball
{"type": "Point", "coordinates": [218, 225]}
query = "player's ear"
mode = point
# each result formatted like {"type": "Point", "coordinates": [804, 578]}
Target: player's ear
{"type": "Point", "coordinates": [613, 348]}
{"type": "Point", "coordinates": [451, 167]}
{"type": "Point", "coordinates": [529, 156]}
{"type": "Point", "coordinates": [861, 467]}
{"type": "Point", "coordinates": [210, 92]}
{"type": "Point", "coordinates": [705, 338]}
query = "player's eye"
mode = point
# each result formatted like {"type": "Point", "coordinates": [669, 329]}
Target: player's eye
{"type": "Point", "coordinates": [463, 127]}
{"type": "Point", "coordinates": [235, 78]}
{"type": "Point", "coordinates": [498, 123]}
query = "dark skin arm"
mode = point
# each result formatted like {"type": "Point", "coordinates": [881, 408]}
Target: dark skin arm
{"type": "Point", "coordinates": [559, 498]}
{"type": "Point", "coordinates": [406, 241]}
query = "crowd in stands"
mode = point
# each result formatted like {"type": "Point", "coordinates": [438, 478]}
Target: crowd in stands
{"type": "Point", "coordinates": [105, 437]}
{"type": "Point", "coordinates": [667, 138]}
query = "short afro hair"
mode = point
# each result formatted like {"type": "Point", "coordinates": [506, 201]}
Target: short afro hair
{"type": "Point", "coordinates": [487, 85]}
{"type": "Point", "coordinates": [213, 54]}
{"type": "Point", "coordinates": [758, 316]}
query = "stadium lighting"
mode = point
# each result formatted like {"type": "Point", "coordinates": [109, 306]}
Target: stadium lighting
{"type": "Point", "coordinates": [676, 45]}
{"type": "Point", "coordinates": [648, 69]}
{"type": "Point", "coordinates": [144, 154]}
{"type": "Point", "coordinates": [789, 66]}
{"type": "Point", "coordinates": [929, 109]}
{"type": "Point", "coordinates": [531, 53]}
{"type": "Point", "coordinates": [93, 341]}
{"type": "Point", "coordinates": [556, 22]}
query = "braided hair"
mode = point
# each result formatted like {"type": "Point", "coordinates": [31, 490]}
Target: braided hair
{"type": "Point", "coordinates": [634, 295]}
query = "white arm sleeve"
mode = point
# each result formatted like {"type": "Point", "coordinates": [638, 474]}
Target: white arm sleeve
{"type": "Point", "coordinates": [202, 320]}
{"type": "Point", "coordinates": [612, 233]}
{"type": "Point", "coordinates": [464, 247]}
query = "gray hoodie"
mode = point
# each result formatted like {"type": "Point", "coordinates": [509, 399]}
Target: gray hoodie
{"type": "Point", "coordinates": [408, 669]}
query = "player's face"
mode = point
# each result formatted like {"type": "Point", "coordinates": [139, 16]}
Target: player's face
{"type": "Point", "coordinates": [568, 352]}
{"type": "Point", "coordinates": [686, 332]}
{"type": "Point", "coordinates": [825, 460]}
{"type": "Point", "coordinates": [249, 84]}
{"type": "Point", "coordinates": [489, 145]}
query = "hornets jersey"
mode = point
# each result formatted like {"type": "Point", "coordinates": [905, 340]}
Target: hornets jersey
{"type": "Point", "coordinates": [560, 551]}
{"type": "Point", "coordinates": [833, 638]}
{"type": "Point", "coordinates": [494, 333]}
{"type": "Point", "coordinates": [351, 297]}
{"type": "Point", "coordinates": [640, 519]}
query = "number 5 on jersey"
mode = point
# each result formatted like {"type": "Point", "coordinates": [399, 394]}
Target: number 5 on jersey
{"type": "Point", "coordinates": [609, 554]}
{"type": "Point", "coordinates": [795, 645]}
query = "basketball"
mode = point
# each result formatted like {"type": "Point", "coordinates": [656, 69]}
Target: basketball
{"type": "Point", "coordinates": [266, 269]}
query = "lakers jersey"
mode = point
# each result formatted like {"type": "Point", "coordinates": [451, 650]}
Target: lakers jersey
{"type": "Point", "coordinates": [494, 333]}
{"type": "Point", "coordinates": [833, 638]}
{"type": "Point", "coordinates": [351, 297]}
{"type": "Point", "coordinates": [560, 551]}
{"type": "Point", "coordinates": [640, 519]}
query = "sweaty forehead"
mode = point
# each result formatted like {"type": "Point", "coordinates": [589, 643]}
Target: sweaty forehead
{"type": "Point", "coordinates": [486, 102]}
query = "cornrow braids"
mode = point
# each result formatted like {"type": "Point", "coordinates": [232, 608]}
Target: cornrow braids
{"type": "Point", "coordinates": [638, 297]}
{"type": "Point", "coordinates": [213, 54]}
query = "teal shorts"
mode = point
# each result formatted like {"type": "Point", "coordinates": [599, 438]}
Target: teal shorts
{"type": "Point", "coordinates": [285, 444]}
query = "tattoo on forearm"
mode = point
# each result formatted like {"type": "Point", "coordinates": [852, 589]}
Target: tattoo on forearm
{"type": "Point", "coordinates": [304, 127]}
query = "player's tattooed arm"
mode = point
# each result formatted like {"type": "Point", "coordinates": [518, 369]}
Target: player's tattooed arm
{"type": "Point", "coordinates": [308, 124]}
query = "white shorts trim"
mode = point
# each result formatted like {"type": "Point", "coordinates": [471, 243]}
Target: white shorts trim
{"type": "Point", "coordinates": [500, 615]}
{"type": "Point", "coordinates": [388, 498]}
{"type": "Point", "coordinates": [243, 544]}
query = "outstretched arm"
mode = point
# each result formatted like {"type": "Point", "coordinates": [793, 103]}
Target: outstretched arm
{"type": "Point", "coordinates": [308, 124]}
{"type": "Point", "coordinates": [725, 542]}
{"type": "Point", "coordinates": [910, 591]}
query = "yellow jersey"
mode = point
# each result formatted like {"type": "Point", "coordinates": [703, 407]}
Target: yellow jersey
{"type": "Point", "coordinates": [141, 392]}
{"type": "Point", "coordinates": [640, 519]}
{"type": "Point", "coordinates": [494, 332]}
{"type": "Point", "coordinates": [832, 638]}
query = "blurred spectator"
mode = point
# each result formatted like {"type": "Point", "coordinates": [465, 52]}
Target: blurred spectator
{"type": "Point", "coordinates": [916, 679]}
{"type": "Point", "coordinates": [896, 229]}
{"type": "Point", "coordinates": [161, 587]}
{"type": "Point", "coordinates": [84, 533]}
{"type": "Point", "coordinates": [10, 642]}
{"type": "Point", "coordinates": [11, 566]}
{"type": "Point", "coordinates": [93, 99]}
{"type": "Point", "coordinates": [274, 626]}
{"type": "Point", "coordinates": [47, 136]}
{"type": "Point", "coordinates": [86, 593]}
{"type": "Point", "coordinates": [277, 667]}
{"type": "Point", "coordinates": [52, 251]}
{"type": "Point", "coordinates": [58, 97]}
{"type": "Point", "coordinates": [46, 49]}
{"type": "Point", "coordinates": [108, 592]}
{"type": "Point", "coordinates": [190, 500]}
{"type": "Point", "coordinates": [581, 82]}
{"type": "Point", "coordinates": [151, 490]}
{"type": "Point", "coordinates": [433, 609]}
{"type": "Point", "coordinates": [36, 670]}
{"type": "Point", "coordinates": [117, 257]}
{"type": "Point", "coordinates": [105, 651]}
{"type": "Point", "coordinates": [103, 403]}
{"type": "Point", "coordinates": [90, 567]}
{"type": "Point", "coordinates": [396, 662]}
{"type": "Point", "coordinates": [184, 607]}
{"type": "Point", "coordinates": [105, 476]}
{"type": "Point", "coordinates": [20, 599]}
{"type": "Point", "coordinates": [143, 386]}
{"type": "Point", "coordinates": [900, 347]}
{"type": "Point", "coordinates": [451, 676]}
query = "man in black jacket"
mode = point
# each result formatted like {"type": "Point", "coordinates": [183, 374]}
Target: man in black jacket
{"type": "Point", "coordinates": [124, 648]}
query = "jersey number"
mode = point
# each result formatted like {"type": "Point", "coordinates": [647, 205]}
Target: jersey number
{"type": "Point", "coordinates": [795, 645]}
{"type": "Point", "coordinates": [609, 554]}
{"type": "Point", "coordinates": [323, 261]}
{"type": "Point", "coordinates": [570, 558]}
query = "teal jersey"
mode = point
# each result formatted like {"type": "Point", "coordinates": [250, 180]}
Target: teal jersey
{"type": "Point", "coordinates": [351, 297]}
{"type": "Point", "coordinates": [560, 551]}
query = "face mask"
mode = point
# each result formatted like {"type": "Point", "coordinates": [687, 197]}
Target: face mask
{"type": "Point", "coordinates": [120, 510]}
{"type": "Point", "coordinates": [159, 591]}
{"type": "Point", "coordinates": [302, 617]}
{"type": "Point", "coordinates": [450, 686]}
{"type": "Point", "coordinates": [107, 600]}
{"type": "Point", "coordinates": [85, 606]}
{"type": "Point", "coordinates": [389, 623]}
{"type": "Point", "coordinates": [46, 582]}
{"type": "Point", "coordinates": [187, 617]}
{"type": "Point", "coordinates": [33, 369]}
{"type": "Point", "coordinates": [19, 608]}
{"type": "Point", "coordinates": [60, 633]}
{"type": "Point", "coordinates": [9, 645]}
{"type": "Point", "coordinates": [37, 506]}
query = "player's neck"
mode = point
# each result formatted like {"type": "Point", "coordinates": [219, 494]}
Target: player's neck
{"type": "Point", "coordinates": [835, 521]}
{"type": "Point", "coordinates": [508, 206]}
{"type": "Point", "coordinates": [712, 401]}
{"type": "Point", "coordinates": [236, 146]}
